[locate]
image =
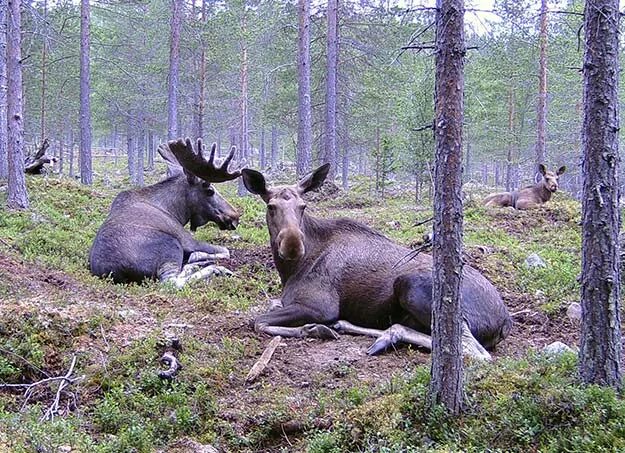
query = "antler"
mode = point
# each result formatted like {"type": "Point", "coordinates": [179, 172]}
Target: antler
{"type": "Point", "coordinates": [193, 161]}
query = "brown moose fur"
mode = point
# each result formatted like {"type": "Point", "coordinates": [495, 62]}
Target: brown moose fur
{"type": "Point", "coordinates": [340, 269]}
{"type": "Point", "coordinates": [530, 196]}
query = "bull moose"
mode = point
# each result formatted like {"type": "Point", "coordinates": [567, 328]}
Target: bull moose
{"type": "Point", "coordinates": [340, 275]}
{"type": "Point", "coordinates": [530, 196]}
{"type": "Point", "coordinates": [144, 235]}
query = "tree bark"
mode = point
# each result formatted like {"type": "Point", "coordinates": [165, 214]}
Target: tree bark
{"type": "Point", "coordinates": [274, 147]}
{"type": "Point", "coordinates": [243, 131]}
{"type": "Point", "coordinates": [174, 62]}
{"type": "Point", "coordinates": [86, 172]}
{"type": "Point", "coordinates": [202, 81]}
{"type": "Point", "coordinates": [304, 130]}
{"type": "Point", "coordinates": [447, 372]}
{"type": "Point", "coordinates": [71, 152]}
{"type": "Point", "coordinates": [600, 350]}
{"type": "Point", "coordinates": [541, 120]}
{"type": "Point", "coordinates": [44, 52]}
{"type": "Point", "coordinates": [17, 196]}
{"type": "Point", "coordinates": [511, 140]}
{"type": "Point", "coordinates": [140, 149]}
{"type": "Point", "coordinates": [130, 148]}
{"type": "Point", "coordinates": [262, 157]}
{"type": "Point", "coordinates": [4, 169]}
{"type": "Point", "coordinates": [330, 155]}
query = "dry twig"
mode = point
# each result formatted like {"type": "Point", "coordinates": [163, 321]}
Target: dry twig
{"type": "Point", "coordinates": [261, 363]}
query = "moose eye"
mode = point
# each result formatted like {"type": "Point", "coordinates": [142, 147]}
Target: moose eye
{"type": "Point", "coordinates": [271, 208]}
{"type": "Point", "coordinates": [210, 191]}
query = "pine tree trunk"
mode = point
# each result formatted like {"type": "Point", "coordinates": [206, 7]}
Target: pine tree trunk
{"type": "Point", "coordinates": [202, 80]}
{"type": "Point", "coordinates": [304, 131]}
{"type": "Point", "coordinates": [44, 52]}
{"type": "Point", "coordinates": [17, 196]}
{"type": "Point", "coordinates": [174, 62]}
{"type": "Point", "coordinates": [243, 131]}
{"type": "Point", "coordinates": [72, 143]}
{"type": "Point", "coordinates": [447, 372]}
{"type": "Point", "coordinates": [330, 155]}
{"type": "Point", "coordinates": [61, 152]}
{"type": "Point", "coordinates": [150, 150]}
{"type": "Point", "coordinates": [345, 164]}
{"type": "Point", "coordinates": [140, 149]}
{"type": "Point", "coordinates": [86, 172]}
{"type": "Point", "coordinates": [262, 157]}
{"type": "Point", "coordinates": [541, 120]}
{"type": "Point", "coordinates": [130, 149]}
{"type": "Point", "coordinates": [511, 140]}
{"type": "Point", "coordinates": [600, 350]}
{"type": "Point", "coordinates": [274, 147]}
{"type": "Point", "coordinates": [4, 169]}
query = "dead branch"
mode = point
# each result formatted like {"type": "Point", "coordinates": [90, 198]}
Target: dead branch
{"type": "Point", "coordinates": [174, 366]}
{"type": "Point", "coordinates": [264, 359]}
{"type": "Point", "coordinates": [423, 222]}
{"type": "Point", "coordinates": [64, 382]}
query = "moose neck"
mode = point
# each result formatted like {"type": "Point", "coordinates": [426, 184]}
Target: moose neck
{"type": "Point", "coordinates": [315, 235]}
{"type": "Point", "coordinates": [170, 196]}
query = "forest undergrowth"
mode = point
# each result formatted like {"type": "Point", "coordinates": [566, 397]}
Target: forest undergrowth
{"type": "Point", "coordinates": [317, 396]}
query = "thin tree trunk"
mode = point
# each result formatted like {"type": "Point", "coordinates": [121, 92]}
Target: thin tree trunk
{"type": "Point", "coordinates": [202, 80]}
{"type": "Point", "coordinates": [44, 51]}
{"type": "Point", "coordinates": [274, 147]}
{"type": "Point", "coordinates": [150, 150]}
{"type": "Point", "coordinates": [130, 148]}
{"type": "Point", "coordinates": [86, 172]}
{"type": "Point", "coordinates": [331, 84]}
{"type": "Point", "coordinates": [511, 140]}
{"type": "Point", "coordinates": [71, 152]}
{"type": "Point", "coordinates": [600, 349]}
{"type": "Point", "coordinates": [174, 62]}
{"type": "Point", "coordinates": [541, 121]}
{"type": "Point", "coordinates": [345, 164]}
{"type": "Point", "coordinates": [140, 149]}
{"type": "Point", "coordinates": [61, 152]}
{"type": "Point", "coordinates": [304, 131]}
{"type": "Point", "coordinates": [262, 158]}
{"type": "Point", "coordinates": [447, 371]}
{"type": "Point", "coordinates": [17, 196]}
{"type": "Point", "coordinates": [4, 169]}
{"type": "Point", "coordinates": [244, 144]}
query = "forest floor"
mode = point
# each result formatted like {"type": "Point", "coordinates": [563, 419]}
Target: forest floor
{"type": "Point", "coordinates": [314, 395]}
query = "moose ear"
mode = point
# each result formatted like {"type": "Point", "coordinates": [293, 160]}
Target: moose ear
{"type": "Point", "coordinates": [561, 170]}
{"type": "Point", "coordinates": [542, 169]}
{"type": "Point", "coordinates": [254, 181]}
{"type": "Point", "coordinates": [314, 179]}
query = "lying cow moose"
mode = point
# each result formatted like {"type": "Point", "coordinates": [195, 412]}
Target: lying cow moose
{"type": "Point", "coordinates": [144, 236]}
{"type": "Point", "coordinates": [341, 273]}
{"type": "Point", "coordinates": [530, 196]}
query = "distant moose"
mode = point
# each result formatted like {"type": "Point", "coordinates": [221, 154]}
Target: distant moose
{"type": "Point", "coordinates": [144, 235]}
{"type": "Point", "coordinates": [530, 196]}
{"type": "Point", "coordinates": [340, 275]}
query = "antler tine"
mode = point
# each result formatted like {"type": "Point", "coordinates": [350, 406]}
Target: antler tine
{"type": "Point", "coordinates": [211, 156]}
{"type": "Point", "coordinates": [228, 158]}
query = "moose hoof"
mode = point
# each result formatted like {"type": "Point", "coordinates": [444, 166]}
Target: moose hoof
{"type": "Point", "coordinates": [319, 331]}
{"type": "Point", "coordinates": [380, 345]}
{"type": "Point", "coordinates": [221, 271]}
{"type": "Point", "coordinates": [340, 326]}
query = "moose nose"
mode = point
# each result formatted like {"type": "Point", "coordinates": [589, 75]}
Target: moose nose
{"type": "Point", "coordinates": [291, 244]}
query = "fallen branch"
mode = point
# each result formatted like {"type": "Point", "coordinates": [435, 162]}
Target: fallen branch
{"type": "Point", "coordinates": [263, 361]}
{"type": "Point", "coordinates": [64, 382]}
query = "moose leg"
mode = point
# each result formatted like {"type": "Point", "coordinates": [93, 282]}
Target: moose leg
{"type": "Point", "coordinates": [309, 323]}
{"type": "Point", "coordinates": [386, 338]}
{"type": "Point", "coordinates": [414, 293]}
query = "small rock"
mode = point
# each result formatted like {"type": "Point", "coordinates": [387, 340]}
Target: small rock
{"type": "Point", "coordinates": [235, 237]}
{"type": "Point", "coordinates": [394, 224]}
{"type": "Point", "coordinates": [534, 261]}
{"type": "Point", "coordinates": [574, 312]}
{"type": "Point", "coordinates": [556, 348]}
{"type": "Point", "coordinates": [64, 449]}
